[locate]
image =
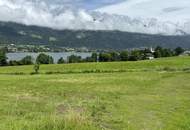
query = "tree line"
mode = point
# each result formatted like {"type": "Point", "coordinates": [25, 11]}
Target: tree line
{"type": "Point", "coordinates": [133, 55]}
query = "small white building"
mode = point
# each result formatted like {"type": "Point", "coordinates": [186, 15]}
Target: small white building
{"type": "Point", "coordinates": [152, 50]}
{"type": "Point", "coordinates": [186, 53]}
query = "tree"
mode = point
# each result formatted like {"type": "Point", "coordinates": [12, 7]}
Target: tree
{"type": "Point", "coordinates": [161, 52]}
{"type": "Point", "coordinates": [124, 56]}
{"type": "Point", "coordinates": [74, 59]}
{"type": "Point", "coordinates": [105, 57]}
{"type": "Point", "coordinates": [36, 68]}
{"type": "Point", "coordinates": [44, 59]}
{"type": "Point", "coordinates": [94, 57]}
{"type": "Point", "coordinates": [3, 58]}
{"type": "Point", "coordinates": [135, 55]}
{"type": "Point", "coordinates": [27, 60]}
{"type": "Point", "coordinates": [167, 53]}
{"type": "Point", "coordinates": [61, 61]}
{"type": "Point", "coordinates": [158, 52]}
{"type": "Point", "coordinates": [178, 51]}
{"type": "Point", "coordinates": [14, 63]}
{"type": "Point", "coordinates": [115, 56]}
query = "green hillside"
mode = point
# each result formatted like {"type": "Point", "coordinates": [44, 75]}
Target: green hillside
{"type": "Point", "coordinates": [143, 95]}
{"type": "Point", "coordinates": [33, 35]}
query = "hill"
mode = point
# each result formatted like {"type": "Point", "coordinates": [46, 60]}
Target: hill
{"type": "Point", "coordinates": [25, 35]}
{"type": "Point", "coordinates": [140, 16]}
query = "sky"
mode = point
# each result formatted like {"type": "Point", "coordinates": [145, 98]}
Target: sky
{"type": "Point", "coordinates": [58, 14]}
{"type": "Point", "coordinates": [86, 4]}
{"type": "Point", "coordinates": [174, 17]}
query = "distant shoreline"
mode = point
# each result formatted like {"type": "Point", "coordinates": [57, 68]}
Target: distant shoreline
{"type": "Point", "coordinates": [56, 55]}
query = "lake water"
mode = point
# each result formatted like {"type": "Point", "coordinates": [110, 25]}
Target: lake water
{"type": "Point", "coordinates": [56, 56]}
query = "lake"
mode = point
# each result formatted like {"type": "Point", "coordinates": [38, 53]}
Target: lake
{"type": "Point", "coordinates": [56, 55]}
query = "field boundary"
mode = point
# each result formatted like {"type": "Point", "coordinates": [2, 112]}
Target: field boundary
{"type": "Point", "coordinates": [164, 69]}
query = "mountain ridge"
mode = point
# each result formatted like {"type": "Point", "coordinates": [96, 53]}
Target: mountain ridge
{"type": "Point", "coordinates": [166, 10]}
{"type": "Point", "coordinates": [34, 35]}
{"type": "Point", "coordinates": [139, 16]}
{"type": "Point", "coordinates": [165, 16]}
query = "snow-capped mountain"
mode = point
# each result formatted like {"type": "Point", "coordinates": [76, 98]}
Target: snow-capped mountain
{"type": "Point", "coordinates": [170, 17]}
{"type": "Point", "coordinates": [166, 17]}
{"type": "Point", "coordinates": [105, 21]}
{"type": "Point", "coordinates": [165, 10]}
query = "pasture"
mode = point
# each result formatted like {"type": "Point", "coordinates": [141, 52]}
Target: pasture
{"type": "Point", "coordinates": [142, 95]}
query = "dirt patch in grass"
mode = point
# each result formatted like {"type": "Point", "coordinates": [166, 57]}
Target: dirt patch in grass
{"type": "Point", "coordinates": [64, 109]}
{"type": "Point", "coordinates": [61, 109]}
{"type": "Point", "coordinates": [81, 80]}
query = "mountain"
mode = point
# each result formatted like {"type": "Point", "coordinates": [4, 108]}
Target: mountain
{"type": "Point", "coordinates": [165, 17]}
{"type": "Point", "coordinates": [166, 10]}
{"type": "Point", "coordinates": [158, 15]}
{"type": "Point", "coordinates": [22, 34]}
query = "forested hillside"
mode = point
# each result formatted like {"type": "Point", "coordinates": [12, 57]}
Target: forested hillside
{"type": "Point", "coordinates": [21, 34]}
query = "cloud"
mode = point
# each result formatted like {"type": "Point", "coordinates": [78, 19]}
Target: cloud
{"type": "Point", "coordinates": [40, 13]}
{"type": "Point", "coordinates": [65, 15]}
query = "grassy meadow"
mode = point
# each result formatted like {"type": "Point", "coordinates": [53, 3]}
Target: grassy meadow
{"type": "Point", "coordinates": [142, 95]}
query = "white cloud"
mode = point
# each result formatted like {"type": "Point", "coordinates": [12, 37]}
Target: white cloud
{"type": "Point", "coordinates": [65, 16]}
{"type": "Point", "coordinates": [40, 13]}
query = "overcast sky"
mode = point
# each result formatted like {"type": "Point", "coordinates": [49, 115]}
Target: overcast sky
{"type": "Point", "coordinates": [92, 4]}
{"type": "Point", "coordinates": [86, 4]}
{"type": "Point", "coordinates": [145, 16]}
{"type": "Point", "coordinates": [51, 13]}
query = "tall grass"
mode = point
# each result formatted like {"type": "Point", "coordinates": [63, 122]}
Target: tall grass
{"type": "Point", "coordinates": [71, 121]}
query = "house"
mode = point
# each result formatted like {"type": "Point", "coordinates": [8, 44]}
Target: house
{"type": "Point", "coordinates": [185, 53]}
{"type": "Point", "coordinates": [150, 54]}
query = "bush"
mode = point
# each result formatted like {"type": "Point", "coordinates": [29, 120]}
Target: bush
{"type": "Point", "coordinates": [124, 56]}
{"type": "Point", "coordinates": [179, 51]}
{"type": "Point", "coordinates": [105, 57]}
{"type": "Point", "coordinates": [61, 61]}
{"type": "Point", "coordinates": [36, 68]}
{"type": "Point", "coordinates": [92, 58]}
{"type": "Point", "coordinates": [3, 58]}
{"type": "Point", "coordinates": [14, 63]}
{"type": "Point", "coordinates": [136, 55]}
{"type": "Point", "coordinates": [27, 60]}
{"type": "Point", "coordinates": [74, 59]}
{"type": "Point", "coordinates": [44, 59]}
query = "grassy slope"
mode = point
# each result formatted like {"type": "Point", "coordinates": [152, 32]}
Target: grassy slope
{"type": "Point", "coordinates": [174, 63]}
{"type": "Point", "coordinates": [138, 100]}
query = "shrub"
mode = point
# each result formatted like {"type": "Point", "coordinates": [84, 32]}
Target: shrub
{"type": "Point", "coordinates": [44, 59]}
{"type": "Point", "coordinates": [27, 60]}
{"type": "Point", "coordinates": [74, 59]}
{"type": "Point", "coordinates": [36, 68]}
{"type": "Point", "coordinates": [61, 61]}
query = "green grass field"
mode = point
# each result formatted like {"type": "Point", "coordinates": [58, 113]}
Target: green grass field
{"type": "Point", "coordinates": [143, 95]}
